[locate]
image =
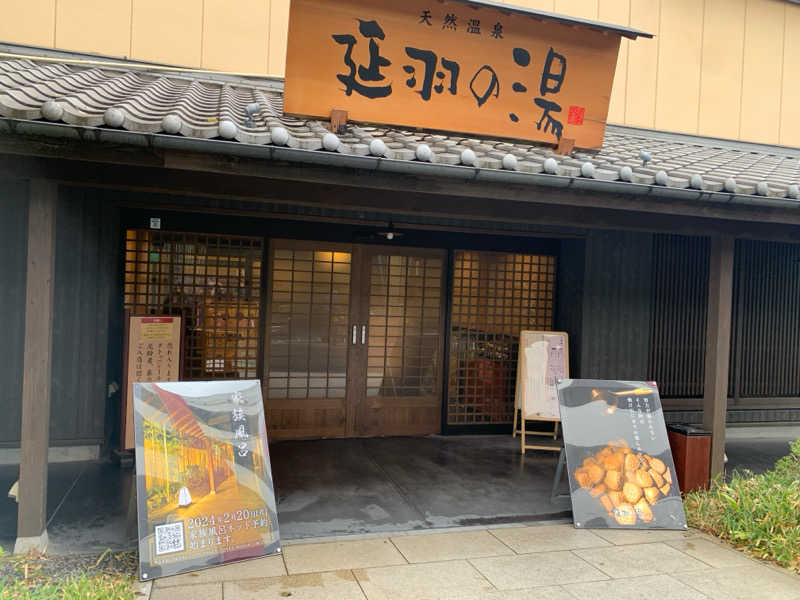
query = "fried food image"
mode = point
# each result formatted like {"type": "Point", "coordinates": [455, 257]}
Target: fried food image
{"type": "Point", "coordinates": [657, 479]}
{"type": "Point", "coordinates": [658, 465]}
{"type": "Point", "coordinates": [643, 510]}
{"type": "Point", "coordinates": [643, 478]}
{"type": "Point", "coordinates": [614, 461]}
{"type": "Point", "coordinates": [625, 514]}
{"type": "Point", "coordinates": [631, 462]}
{"type": "Point", "coordinates": [582, 477]}
{"type": "Point", "coordinates": [651, 494]}
{"type": "Point", "coordinates": [632, 492]}
{"type": "Point", "coordinates": [625, 483]}
{"type": "Point", "coordinates": [598, 490]}
{"type": "Point", "coordinates": [613, 480]}
{"type": "Point", "coordinates": [595, 473]}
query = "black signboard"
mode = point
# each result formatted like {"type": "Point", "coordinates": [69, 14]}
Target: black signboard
{"type": "Point", "coordinates": [621, 473]}
{"type": "Point", "coordinates": [204, 487]}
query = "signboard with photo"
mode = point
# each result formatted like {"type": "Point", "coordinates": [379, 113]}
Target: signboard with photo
{"type": "Point", "coordinates": [621, 472]}
{"type": "Point", "coordinates": [203, 478]}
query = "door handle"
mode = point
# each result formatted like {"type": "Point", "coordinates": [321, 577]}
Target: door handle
{"type": "Point", "coordinates": [363, 334]}
{"type": "Point", "coordinates": [355, 334]}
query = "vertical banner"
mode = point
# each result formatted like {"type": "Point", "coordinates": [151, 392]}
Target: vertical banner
{"type": "Point", "coordinates": [621, 472]}
{"type": "Point", "coordinates": [153, 353]}
{"type": "Point", "coordinates": [205, 495]}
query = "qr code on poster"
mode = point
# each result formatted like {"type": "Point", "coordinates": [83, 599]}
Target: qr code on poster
{"type": "Point", "coordinates": [169, 538]}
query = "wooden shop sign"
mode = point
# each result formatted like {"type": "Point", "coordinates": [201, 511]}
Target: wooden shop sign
{"type": "Point", "coordinates": [453, 66]}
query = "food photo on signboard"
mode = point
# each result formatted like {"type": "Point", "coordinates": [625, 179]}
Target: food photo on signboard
{"type": "Point", "coordinates": [205, 495]}
{"type": "Point", "coordinates": [621, 472]}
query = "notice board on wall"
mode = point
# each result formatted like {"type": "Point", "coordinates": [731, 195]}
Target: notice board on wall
{"type": "Point", "coordinates": [621, 472]}
{"type": "Point", "coordinates": [152, 353]}
{"type": "Point", "coordinates": [543, 360]}
{"type": "Point", "coordinates": [205, 495]}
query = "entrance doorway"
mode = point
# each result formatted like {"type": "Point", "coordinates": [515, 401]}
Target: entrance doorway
{"type": "Point", "coordinates": [354, 341]}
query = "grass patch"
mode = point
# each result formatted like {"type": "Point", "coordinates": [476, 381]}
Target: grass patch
{"type": "Point", "coordinates": [39, 577]}
{"type": "Point", "coordinates": [82, 587]}
{"type": "Point", "coordinates": [758, 513]}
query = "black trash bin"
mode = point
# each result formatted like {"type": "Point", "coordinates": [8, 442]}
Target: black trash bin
{"type": "Point", "coordinates": [691, 451]}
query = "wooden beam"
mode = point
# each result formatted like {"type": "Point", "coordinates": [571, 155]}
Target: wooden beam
{"type": "Point", "coordinates": [399, 201]}
{"type": "Point", "coordinates": [718, 346]}
{"type": "Point", "coordinates": [35, 433]}
{"type": "Point", "coordinates": [195, 163]}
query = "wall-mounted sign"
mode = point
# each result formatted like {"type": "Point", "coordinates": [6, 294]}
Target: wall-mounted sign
{"type": "Point", "coordinates": [452, 66]}
{"type": "Point", "coordinates": [205, 495]}
{"type": "Point", "coordinates": [621, 472]}
{"type": "Point", "coordinates": [153, 353]}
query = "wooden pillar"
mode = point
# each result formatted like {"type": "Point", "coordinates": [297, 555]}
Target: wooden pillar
{"type": "Point", "coordinates": [35, 433]}
{"type": "Point", "coordinates": [718, 347]}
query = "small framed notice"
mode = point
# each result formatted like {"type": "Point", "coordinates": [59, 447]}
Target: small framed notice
{"type": "Point", "coordinates": [152, 353]}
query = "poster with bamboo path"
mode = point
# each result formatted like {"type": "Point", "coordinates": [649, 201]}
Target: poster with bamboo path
{"type": "Point", "coordinates": [205, 495]}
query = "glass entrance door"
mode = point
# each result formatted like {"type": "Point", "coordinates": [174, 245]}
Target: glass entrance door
{"type": "Point", "coordinates": [354, 341]}
{"type": "Point", "coordinates": [402, 308]}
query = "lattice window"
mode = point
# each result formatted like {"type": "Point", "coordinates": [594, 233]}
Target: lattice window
{"type": "Point", "coordinates": [404, 321]}
{"type": "Point", "coordinates": [213, 282]}
{"type": "Point", "coordinates": [495, 296]}
{"type": "Point", "coordinates": [310, 308]}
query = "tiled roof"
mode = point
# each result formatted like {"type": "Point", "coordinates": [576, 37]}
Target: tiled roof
{"type": "Point", "coordinates": [250, 112]}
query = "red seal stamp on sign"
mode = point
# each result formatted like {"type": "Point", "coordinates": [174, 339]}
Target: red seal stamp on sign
{"type": "Point", "coordinates": [576, 115]}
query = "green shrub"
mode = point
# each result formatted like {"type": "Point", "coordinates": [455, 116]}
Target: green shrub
{"type": "Point", "coordinates": [759, 513]}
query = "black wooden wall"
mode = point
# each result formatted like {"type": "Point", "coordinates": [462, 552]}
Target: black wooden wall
{"type": "Point", "coordinates": [569, 297]}
{"type": "Point", "coordinates": [87, 267]}
{"type": "Point", "coordinates": [87, 273]}
{"type": "Point", "coordinates": [765, 363]}
{"type": "Point", "coordinates": [617, 311]}
{"type": "Point", "coordinates": [680, 310]}
{"type": "Point", "coordinates": [13, 257]}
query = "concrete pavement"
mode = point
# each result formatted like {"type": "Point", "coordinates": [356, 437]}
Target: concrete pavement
{"type": "Point", "coordinates": [346, 487]}
{"type": "Point", "coordinates": [552, 561]}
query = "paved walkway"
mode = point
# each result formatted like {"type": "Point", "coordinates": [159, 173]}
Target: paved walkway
{"type": "Point", "coordinates": [346, 487]}
{"type": "Point", "coordinates": [543, 561]}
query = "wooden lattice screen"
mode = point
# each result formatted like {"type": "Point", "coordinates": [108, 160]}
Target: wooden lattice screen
{"type": "Point", "coordinates": [214, 282]}
{"type": "Point", "coordinates": [495, 296]}
{"type": "Point", "coordinates": [310, 308]}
